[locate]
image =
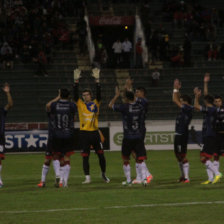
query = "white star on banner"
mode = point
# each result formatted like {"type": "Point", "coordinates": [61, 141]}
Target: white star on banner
{"type": "Point", "coordinates": [31, 141]}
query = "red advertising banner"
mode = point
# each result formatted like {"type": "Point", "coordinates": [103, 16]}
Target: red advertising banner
{"type": "Point", "coordinates": [111, 20]}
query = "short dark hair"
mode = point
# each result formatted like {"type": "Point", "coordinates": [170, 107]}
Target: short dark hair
{"type": "Point", "coordinates": [217, 97]}
{"type": "Point", "coordinates": [129, 95]}
{"type": "Point", "coordinates": [186, 98]}
{"type": "Point", "coordinates": [64, 93]}
{"type": "Point", "coordinates": [88, 91]}
{"type": "Point", "coordinates": [142, 89]}
{"type": "Point", "coordinates": [209, 99]}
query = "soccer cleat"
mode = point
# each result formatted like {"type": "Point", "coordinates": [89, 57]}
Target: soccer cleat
{"type": "Point", "coordinates": [144, 182]}
{"type": "Point", "coordinates": [206, 182]}
{"type": "Point", "coordinates": [57, 180]}
{"type": "Point", "coordinates": [126, 183]}
{"type": "Point", "coordinates": [41, 184]}
{"type": "Point", "coordinates": [217, 178]}
{"type": "Point", "coordinates": [135, 181]}
{"type": "Point", "coordinates": [106, 179]}
{"type": "Point", "coordinates": [86, 181]}
{"type": "Point", "coordinates": [186, 181]}
{"type": "Point", "coordinates": [149, 178]}
{"type": "Point", "coordinates": [181, 179]}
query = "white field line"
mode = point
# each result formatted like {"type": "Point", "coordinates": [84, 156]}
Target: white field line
{"type": "Point", "coordinates": [116, 207]}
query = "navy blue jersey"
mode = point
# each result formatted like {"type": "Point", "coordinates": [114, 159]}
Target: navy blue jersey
{"type": "Point", "coordinates": [144, 103]}
{"type": "Point", "coordinates": [3, 113]}
{"type": "Point", "coordinates": [209, 121]}
{"type": "Point", "coordinates": [63, 112]}
{"type": "Point", "coordinates": [220, 119]}
{"type": "Point", "coordinates": [133, 116]}
{"type": "Point", "coordinates": [184, 119]}
{"type": "Point", "coordinates": [51, 124]}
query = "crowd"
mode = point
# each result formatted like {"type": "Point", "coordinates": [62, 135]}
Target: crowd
{"type": "Point", "coordinates": [31, 29]}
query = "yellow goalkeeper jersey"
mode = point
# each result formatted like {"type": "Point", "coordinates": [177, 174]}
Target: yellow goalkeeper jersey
{"type": "Point", "coordinates": [88, 115]}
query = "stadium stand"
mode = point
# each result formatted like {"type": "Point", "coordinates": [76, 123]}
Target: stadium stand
{"type": "Point", "coordinates": [31, 93]}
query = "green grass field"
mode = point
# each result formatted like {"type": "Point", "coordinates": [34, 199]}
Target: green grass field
{"type": "Point", "coordinates": [163, 201]}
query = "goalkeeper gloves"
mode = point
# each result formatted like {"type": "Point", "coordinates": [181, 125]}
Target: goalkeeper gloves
{"type": "Point", "coordinates": [77, 73]}
{"type": "Point", "coordinates": [96, 73]}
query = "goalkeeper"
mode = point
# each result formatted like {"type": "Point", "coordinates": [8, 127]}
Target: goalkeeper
{"type": "Point", "coordinates": [88, 110]}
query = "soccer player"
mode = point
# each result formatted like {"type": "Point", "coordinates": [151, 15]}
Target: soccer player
{"type": "Point", "coordinates": [181, 130]}
{"type": "Point", "coordinates": [219, 127]}
{"type": "Point", "coordinates": [88, 110]}
{"type": "Point", "coordinates": [140, 94]}
{"type": "Point", "coordinates": [63, 112]}
{"type": "Point", "coordinates": [48, 153]}
{"type": "Point", "coordinates": [3, 113]}
{"type": "Point", "coordinates": [208, 135]}
{"type": "Point", "coordinates": [133, 114]}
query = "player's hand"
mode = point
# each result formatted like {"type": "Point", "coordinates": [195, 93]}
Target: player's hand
{"type": "Point", "coordinates": [176, 84]}
{"type": "Point", "coordinates": [6, 88]}
{"type": "Point", "coordinates": [59, 92]}
{"type": "Point", "coordinates": [207, 77]}
{"type": "Point", "coordinates": [96, 73]}
{"type": "Point", "coordinates": [128, 84]}
{"type": "Point", "coordinates": [197, 92]}
{"type": "Point", "coordinates": [77, 74]}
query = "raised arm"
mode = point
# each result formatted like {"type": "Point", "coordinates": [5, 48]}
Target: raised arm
{"type": "Point", "coordinates": [6, 89]}
{"type": "Point", "coordinates": [98, 90]}
{"type": "Point", "coordinates": [128, 84]}
{"type": "Point", "coordinates": [117, 94]}
{"type": "Point", "coordinates": [96, 75]}
{"type": "Point", "coordinates": [176, 93]}
{"type": "Point", "coordinates": [48, 105]}
{"type": "Point", "coordinates": [76, 76]}
{"type": "Point", "coordinates": [206, 80]}
{"type": "Point", "coordinates": [197, 93]}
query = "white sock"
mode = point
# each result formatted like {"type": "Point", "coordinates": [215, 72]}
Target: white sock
{"type": "Point", "coordinates": [186, 170]}
{"type": "Point", "coordinates": [146, 169]}
{"type": "Point", "coordinates": [88, 177]}
{"type": "Point", "coordinates": [142, 168]}
{"type": "Point", "coordinates": [181, 169]}
{"type": "Point", "coordinates": [216, 164]}
{"type": "Point", "coordinates": [56, 165]}
{"type": "Point", "coordinates": [138, 172]}
{"type": "Point", "coordinates": [210, 165]}
{"type": "Point", "coordinates": [209, 172]}
{"type": "Point", "coordinates": [66, 174]}
{"type": "Point", "coordinates": [1, 174]}
{"type": "Point", "coordinates": [45, 170]}
{"type": "Point", "coordinates": [127, 172]}
{"type": "Point", "coordinates": [62, 172]}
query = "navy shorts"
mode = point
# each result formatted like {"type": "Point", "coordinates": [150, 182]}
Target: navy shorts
{"type": "Point", "coordinates": [136, 145]}
{"type": "Point", "coordinates": [209, 146]}
{"type": "Point", "coordinates": [180, 144]}
{"type": "Point", "coordinates": [62, 145]}
{"type": "Point", "coordinates": [219, 144]}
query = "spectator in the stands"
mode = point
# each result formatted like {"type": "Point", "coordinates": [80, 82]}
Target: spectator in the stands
{"type": "Point", "coordinates": [41, 62]}
{"type": "Point", "coordinates": [117, 51]}
{"type": "Point", "coordinates": [178, 59]}
{"type": "Point", "coordinates": [212, 52]}
{"type": "Point", "coordinates": [155, 77]}
{"type": "Point", "coordinates": [7, 56]}
{"type": "Point", "coordinates": [82, 32]}
{"type": "Point", "coordinates": [187, 50]}
{"type": "Point", "coordinates": [154, 46]}
{"type": "Point", "coordinates": [138, 54]}
{"type": "Point", "coordinates": [126, 47]}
